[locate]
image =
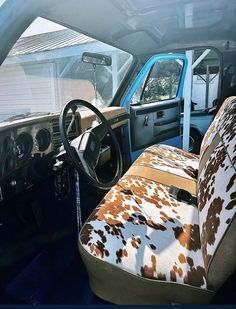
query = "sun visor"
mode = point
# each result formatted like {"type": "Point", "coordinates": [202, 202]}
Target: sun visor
{"type": "Point", "coordinates": [139, 42]}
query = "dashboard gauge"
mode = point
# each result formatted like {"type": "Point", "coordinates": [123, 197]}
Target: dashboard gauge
{"type": "Point", "coordinates": [23, 145]}
{"type": "Point", "coordinates": [42, 139]}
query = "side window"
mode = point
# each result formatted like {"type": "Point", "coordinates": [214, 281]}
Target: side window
{"type": "Point", "coordinates": [206, 68]}
{"type": "Point", "coordinates": [163, 81]}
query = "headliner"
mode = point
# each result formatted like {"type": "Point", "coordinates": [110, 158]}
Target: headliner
{"type": "Point", "coordinates": [140, 27]}
{"type": "Point", "coordinates": [150, 26]}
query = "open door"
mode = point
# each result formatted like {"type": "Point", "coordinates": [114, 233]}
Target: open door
{"type": "Point", "coordinates": [154, 102]}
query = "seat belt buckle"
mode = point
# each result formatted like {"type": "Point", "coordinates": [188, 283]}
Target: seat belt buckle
{"type": "Point", "coordinates": [174, 192]}
{"type": "Point", "coordinates": [182, 195]}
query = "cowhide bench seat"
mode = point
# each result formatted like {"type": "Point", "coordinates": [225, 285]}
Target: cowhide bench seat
{"type": "Point", "coordinates": [143, 246]}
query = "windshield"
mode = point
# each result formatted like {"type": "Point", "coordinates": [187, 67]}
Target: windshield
{"type": "Point", "coordinates": [44, 70]}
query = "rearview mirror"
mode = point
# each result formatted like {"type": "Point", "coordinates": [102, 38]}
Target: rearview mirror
{"type": "Point", "coordinates": [96, 59]}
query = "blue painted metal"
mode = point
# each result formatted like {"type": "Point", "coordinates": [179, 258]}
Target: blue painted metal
{"type": "Point", "coordinates": [127, 99]}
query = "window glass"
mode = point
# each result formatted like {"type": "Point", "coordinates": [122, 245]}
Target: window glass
{"type": "Point", "coordinates": [44, 70]}
{"type": "Point", "coordinates": [163, 81]}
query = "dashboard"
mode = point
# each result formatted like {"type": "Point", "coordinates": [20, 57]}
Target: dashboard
{"type": "Point", "coordinates": [26, 140]}
{"type": "Point", "coordinates": [28, 146]}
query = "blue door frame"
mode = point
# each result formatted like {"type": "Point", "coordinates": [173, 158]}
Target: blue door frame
{"type": "Point", "coordinates": [176, 141]}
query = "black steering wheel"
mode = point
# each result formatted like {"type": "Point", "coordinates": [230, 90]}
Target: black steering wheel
{"type": "Point", "coordinates": [84, 151]}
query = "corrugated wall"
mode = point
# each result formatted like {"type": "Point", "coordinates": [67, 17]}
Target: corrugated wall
{"type": "Point", "coordinates": [26, 88]}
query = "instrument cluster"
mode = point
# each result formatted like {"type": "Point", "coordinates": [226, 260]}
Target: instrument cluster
{"type": "Point", "coordinates": [18, 145]}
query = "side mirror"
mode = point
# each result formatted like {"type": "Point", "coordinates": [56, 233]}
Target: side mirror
{"type": "Point", "coordinates": [96, 59]}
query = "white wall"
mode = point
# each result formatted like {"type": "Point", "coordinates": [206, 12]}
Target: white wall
{"type": "Point", "coordinates": [199, 90]}
{"type": "Point", "coordinates": [26, 88]}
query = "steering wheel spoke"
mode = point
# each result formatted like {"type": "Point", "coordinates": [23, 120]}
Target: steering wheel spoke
{"type": "Point", "coordinates": [100, 130]}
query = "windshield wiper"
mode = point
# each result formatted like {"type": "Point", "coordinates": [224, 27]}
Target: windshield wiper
{"type": "Point", "coordinates": [26, 115]}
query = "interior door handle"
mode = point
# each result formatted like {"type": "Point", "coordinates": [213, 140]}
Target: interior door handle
{"type": "Point", "coordinates": [146, 121]}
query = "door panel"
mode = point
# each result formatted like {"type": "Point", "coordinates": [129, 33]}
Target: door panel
{"type": "Point", "coordinates": [154, 123]}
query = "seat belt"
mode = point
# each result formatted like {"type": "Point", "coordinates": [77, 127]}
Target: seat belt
{"type": "Point", "coordinates": [208, 152]}
{"type": "Point", "coordinates": [77, 202]}
{"type": "Point", "coordinates": [182, 195]}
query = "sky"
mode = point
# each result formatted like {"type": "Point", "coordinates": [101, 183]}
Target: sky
{"type": "Point", "coordinates": [41, 25]}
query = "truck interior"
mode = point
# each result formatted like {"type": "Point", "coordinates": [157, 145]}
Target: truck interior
{"type": "Point", "coordinates": [117, 152]}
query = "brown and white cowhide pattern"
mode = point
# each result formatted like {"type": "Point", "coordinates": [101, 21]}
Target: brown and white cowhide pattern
{"type": "Point", "coordinates": [217, 184]}
{"type": "Point", "coordinates": [138, 227]}
{"type": "Point", "coordinates": [170, 159]}
{"type": "Point", "coordinates": [214, 125]}
{"type": "Point", "coordinates": [227, 130]}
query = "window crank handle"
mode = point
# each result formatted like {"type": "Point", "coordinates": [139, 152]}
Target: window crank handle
{"type": "Point", "coordinates": [145, 121]}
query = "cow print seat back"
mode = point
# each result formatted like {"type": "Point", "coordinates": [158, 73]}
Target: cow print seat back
{"type": "Point", "coordinates": [217, 196]}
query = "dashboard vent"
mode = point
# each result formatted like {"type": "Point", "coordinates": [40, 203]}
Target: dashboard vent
{"type": "Point", "coordinates": [56, 138]}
